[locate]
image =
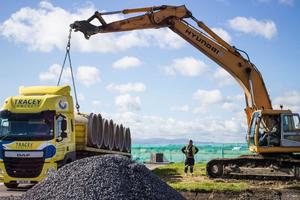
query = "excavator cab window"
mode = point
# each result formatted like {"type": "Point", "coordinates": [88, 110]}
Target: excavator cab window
{"type": "Point", "coordinates": [291, 130]}
{"type": "Point", "coordinates": [61, 126]}
{"type": "Point", "coordinates": [252, 128]}
{"type": "Point", "coordinates": [269, 130]}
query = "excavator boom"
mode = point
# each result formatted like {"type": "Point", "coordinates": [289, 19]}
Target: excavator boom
{"type": "Point", "coordinates": [205, 40]}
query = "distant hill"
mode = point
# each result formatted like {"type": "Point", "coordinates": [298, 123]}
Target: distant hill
{"type": "Point", "coordinates": [165, 141]}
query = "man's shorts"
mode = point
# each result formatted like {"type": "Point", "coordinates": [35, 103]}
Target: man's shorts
{"type": "Point", "coordinates": [189, 161]}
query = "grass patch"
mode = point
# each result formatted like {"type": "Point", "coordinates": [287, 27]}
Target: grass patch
{"type": "Point", "coordinates": [177, 169]}
{"type": "Point", "coordinates": [173, 174]}
{"type": "Point", "coordinates": [208, 186]}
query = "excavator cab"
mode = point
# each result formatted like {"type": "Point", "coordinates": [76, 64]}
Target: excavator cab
{"type": "Point", "coordinates": [274, 131]}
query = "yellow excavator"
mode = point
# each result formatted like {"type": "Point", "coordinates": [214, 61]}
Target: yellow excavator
{"type": "Point", "coordinates": [273, 135]}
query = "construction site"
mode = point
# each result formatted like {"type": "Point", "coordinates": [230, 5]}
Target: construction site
{"type": "Point", "coordinates": [66, 136]}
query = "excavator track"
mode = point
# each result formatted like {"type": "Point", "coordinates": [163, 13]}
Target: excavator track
{"type": "Point", "coordinates": [257, 167]}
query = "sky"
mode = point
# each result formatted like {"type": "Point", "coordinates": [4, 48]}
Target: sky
{"type": "Point", "coordinates": [152, 80]}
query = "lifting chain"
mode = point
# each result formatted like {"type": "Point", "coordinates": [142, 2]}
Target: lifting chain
{"type": "Point", "coordinates": [67, 55]}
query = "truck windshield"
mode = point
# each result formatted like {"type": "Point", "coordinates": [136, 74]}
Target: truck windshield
{"type": "Point", "coordinates": [19, 126]}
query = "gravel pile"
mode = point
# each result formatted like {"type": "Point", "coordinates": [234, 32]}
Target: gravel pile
{"type": "Point", "coordinates": [102, 177]}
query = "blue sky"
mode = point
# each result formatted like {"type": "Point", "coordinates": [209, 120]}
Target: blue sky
{"type": "Point", "coordinates": [152, 80]}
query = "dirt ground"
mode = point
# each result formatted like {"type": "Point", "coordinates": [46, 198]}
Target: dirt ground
{"type": "Point", "coordinates": [260, 194]}
{"type": "Point", "coordinates": [262, 190]}
{"type": "Point", "coordinates": [6, 193]}
{"type": "Point", "coordinates": [275, 192]}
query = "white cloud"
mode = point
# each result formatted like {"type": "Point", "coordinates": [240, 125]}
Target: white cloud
{"type": "Point", "coordinates": [208, 97]}
{"type": "Point", "coordinates": [207, 129]}
{"type": "Point", "coordinates": [183, 108]}
{"type": "Point", "coordinates": [229, 106]}
{"type": "Point", "coordinates": [81, 97]}
{"type": "Point", "coordinates": [96, 103]}
{"type": "Point", "coordinates": [127, 102]}
{"type": "Point", "coordinates": [200, 109]}
{"type": "Point", "coordinates": [127, 62]}
{"type": "Point", "coordinates": [239, 97]}
{"type": "Point", "coordinates": [289, 100]}
{"type": "Point", "coordinates": [201, 127]}
{"type": "Point", "coordinates": [88, 75]}
{"type": "Point", "coordinates": [45, 28]}
{"type": "Point", "coordinates": [96, 106]}
{"type": "Point", "coordinates": [233, 103]}
{"type": "Point", "coordinates": [187, 66]}
{"type": "Point", "coordinates": [165, 38]}
{"type": "Point", "coordinates": [223, 77]}
{"type": "Point", "coordinates": [53, 73]}
{"type": "Point", "coordinates": [286, 2]}
{"type": "Point", "coordinates": [222, 34]}
{"type": "Point", "coordinates": [264, 28]}
{"type": "Point", "coordinates": [126, 88]}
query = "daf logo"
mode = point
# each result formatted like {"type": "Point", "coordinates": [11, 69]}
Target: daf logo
{"type": "Point", "coordinates": [62, 104]}
{"type": "Point", "coordinates": [23, 155]}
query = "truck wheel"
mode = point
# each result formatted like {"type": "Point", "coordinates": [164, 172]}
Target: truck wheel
{"type": "Point", "coordinates": [11, 185]}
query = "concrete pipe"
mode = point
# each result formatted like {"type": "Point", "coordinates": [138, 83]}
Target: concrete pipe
{"type": "Point", "coordinates": [116, 136]}
{"type": "Point", "coordinates": [96, 131]}
{"type": "Point", "coordinates": [89, 131]}
{"type": "Point", "coordinates": [105, 133]}
{"type": "Point", "coordinates": [127, 140]}
{"type": "Point", "coordinates": [92, 130]}
{"type": "Point", "coordinates": [111, 135]}
{"type": "Point", "coordinates": [100, 132]}
{"type": "Point", "coordinates": [121, 135]}
{"type": "Point", "coordinates": [124, 141]}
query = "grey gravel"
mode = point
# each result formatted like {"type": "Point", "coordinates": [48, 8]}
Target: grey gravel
{"type": "Point", "coordinates": [102, 177]}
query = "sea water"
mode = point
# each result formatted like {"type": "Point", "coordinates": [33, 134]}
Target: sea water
{"type": "Point", "coordinates": [172, 152]}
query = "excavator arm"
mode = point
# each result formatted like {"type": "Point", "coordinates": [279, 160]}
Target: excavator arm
{"type": "Point", "coordinates": [204, 39]}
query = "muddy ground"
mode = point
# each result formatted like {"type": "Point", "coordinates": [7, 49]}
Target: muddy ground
{"type": "Point", "coordinates": [258, 189]}
{"type": "Point", "coordinates": [260, 194]}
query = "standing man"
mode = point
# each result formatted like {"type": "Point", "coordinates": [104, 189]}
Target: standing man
{"type": "Point", "coordinates": [189, 150]}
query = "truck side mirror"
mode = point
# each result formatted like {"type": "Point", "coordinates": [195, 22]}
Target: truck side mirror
{"type": "Point", "coordinates": [63, 125]}
{"type": "Point", "coordinates": [64, 134]}
{"type": "Point", "coordinates": [59, 139]}
{"type": "Point", "coordinates": [4, 114]}
{"type": "Point", "coordinates": [63, 128]}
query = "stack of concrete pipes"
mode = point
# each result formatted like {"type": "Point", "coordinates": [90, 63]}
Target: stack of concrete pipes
{"type": "Point", "coordinates": [105, 134]}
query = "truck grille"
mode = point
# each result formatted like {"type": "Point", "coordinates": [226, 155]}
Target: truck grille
{"type": "Point", "coordinates": [23, 167]}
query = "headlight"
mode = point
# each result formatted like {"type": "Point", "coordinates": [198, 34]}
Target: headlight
{"type": "Point", "coordinates": [1, 175]}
